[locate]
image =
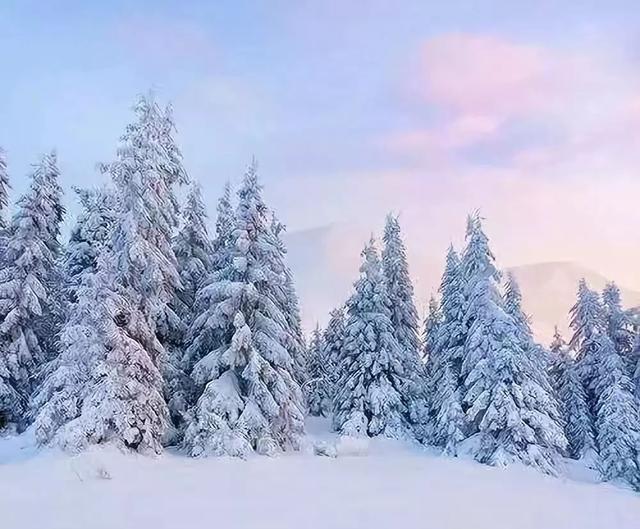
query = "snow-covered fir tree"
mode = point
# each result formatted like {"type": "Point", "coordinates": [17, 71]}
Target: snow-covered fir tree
{"type": "Point", "coordinates": [249, 399]}
{"type": "Point", "coordinates": [512, 413]}
{"type": "Point", "coordinates": [288, 301]}
{"type": "Point", "coordinates": [25, 288]}
{"type": "Point", "coordinates": [404, 320]}
{"type": "Point", "coordinates": [617, 320]}
{"type": "Point", "coordinates": [445, 422]}
{"type": "Point", "coordinates": [577, 418]}
{"type": "Point", "coordinates": [513, 305]}
{"type": "Point", "coordinates": [588, 324]}
{"type": "Point", "coordinates": [225, 224]}
{"type": "Point", "coordinates": [333, 341]}
{"type": "Point", "coordinates": [137, 277]}
{"type": "Point", "coordinates": [319, 400]}
{"type": "Point", "coordinates": [59, 398]}
{"type": "Point", "coordinates": [404, 316]}
{"type": "Point", "coordinates": [368, 399]}
{"type": "Point", "coordinates": [193, 250]}
{"type": "Point", "coordinates": [617, 425]}
{"type": "Point", "coordinates": [431, 328]}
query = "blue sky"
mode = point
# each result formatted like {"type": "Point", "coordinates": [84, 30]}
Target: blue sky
{"type": "Point", "coordinates": [526, 110]}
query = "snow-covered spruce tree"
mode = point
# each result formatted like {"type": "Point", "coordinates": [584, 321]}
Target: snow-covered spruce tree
{"type": "Point", "coordinates": [617, 425]}
{"type": "Point", "coordinates": [404, 316]}
{"type": "Point", "coordinates": [368, 398]}
{"type": "Point", "coordinates": [404, 321]}
{"type": "Point", "coordinates": [25, 288]}
{"type": "Point", "coordinates": [59, 398]}
{"type": "Point", "coordinates": [193, 250]}
{"type": "Point", "coordinates": [288, 301]}
{"type": "Point", "coordinates": [445, 422]}
{"type": "Point", "coordinates": [319, 400]}
{"type": "Point", "coordinates": [125, 405]}
{"type": "Point", "coordinates": [513, 307]}
{"type": "Point", "coordinates": [333, 340]}
{"type": "Point", "coordinates": [577, 419]}
{"type": "Point", "coordinates": [225, 224]}
{"type": "Point", "coordinates": [512, 415]}
{"type": "Point", "coordinates": [249, 400]}
{"type": "Point", "coordinates": [617, 320]}
{"type": "Point", "coordinates": [588, 323]}
{"type": "Point", "coordinates": [431, 328]}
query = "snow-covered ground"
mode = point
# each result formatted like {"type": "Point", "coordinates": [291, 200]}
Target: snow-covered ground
{"type": "Point", "coordinates": [380, 485]}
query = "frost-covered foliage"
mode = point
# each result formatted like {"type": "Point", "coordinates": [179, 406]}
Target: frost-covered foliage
{"type": "Point", "coordinates": [404, 316]}
{"type": "Point", "coordinates": [193, 251]}
{"type": "Point", "coordinates": [588, 324]}
{"type": "Point", "coordinates": [404, 321]}
{"type": "Point", "coordinates": [513, 305]}
{"type": "Point", "coordinates": [4, 191]}
{"type": "Point", "coordinates": [25, 287]}
{"type": "Point", "coordinates": [444, 420]}
{"type": "Point", "coordinates": [249, 399]}
{"type": "Point", "coordinates": [287, 298]}
{"type": "Point", "coordinates": [136, 278]}
{"type": "Point", "coordinates": [511, 410]}
{"type": "Point", "coordinates": [577, 418]}
{"type": "Point", "coordinates": [225, 224]}
{"type": "Point", "coordinates": [432, 325]}
{"type": "Point", "coordinates": [617, 425]}
{"type": "Point", "coordinates": [89, 236]}
{"type": "Point", "coordinates": [65, 378]}
{"type": "Point", "coordinates": [333, 340]}
{"type": "Point", "coordinates": [146, 172]}
{"type": "Point", "coordinates": [617, 320]}
{"type": "Point", "coordinates": [368, 397]}
{"type": "Point", "coordinates": [319, 400]}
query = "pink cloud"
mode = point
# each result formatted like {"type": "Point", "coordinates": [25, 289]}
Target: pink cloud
{"type": "Point", "coordinates": [478, 74]}
{"type": "Point", "coordinates": [460, 132]}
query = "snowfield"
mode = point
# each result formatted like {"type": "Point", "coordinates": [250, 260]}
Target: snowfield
{"type": "Point", "coordinates": [380, 484]}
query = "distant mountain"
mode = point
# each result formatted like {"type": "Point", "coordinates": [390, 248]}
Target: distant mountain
{"type": "Point", "coordinates": [325, 263]}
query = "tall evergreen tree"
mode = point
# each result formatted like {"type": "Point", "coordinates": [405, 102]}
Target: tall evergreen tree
{"type": "Point", "coordinates": [617, 426]}
{"type": "Point", "coordinates": [404, 316]}
{"type": "Point", "coordinates": [617, 321]}
{"type": "Point", "coordinates": [249, 399]}
{"type": "Point", "coordinates": [288, 300]}
{"type": "Point", "coordinates": [368, 398]}
{"type": "Point", "coordinates": [432, 325]}
{"type": "Point", "coordinates": [404, 321]}
{"type": "Point", "coordinates": [512, 414]}
{"type": "Point", "coordinates": [333, 342]}
{"type": "Point", "coordinates": [445, 421]}
{"type": "Point", "coordinates": [577, 419]}
{"type": "Point", "coordinates": [25, 288]}
{"type": "Point", "coordinates": [320, 389]}
{"type": "Point", "coordinates": [588, 324]}
{"type": "Point", "coordinates": [193, 250]}
{"type": "Point", "coordinates": [225, 224]}
{"type": "Point", "coordinates": [59, 398]}
{"type": "Point", "coordinates": [136, 280]}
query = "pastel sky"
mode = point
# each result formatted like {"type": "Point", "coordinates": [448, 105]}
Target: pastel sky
{"type": "Point", "coordinates": [529, 111]}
